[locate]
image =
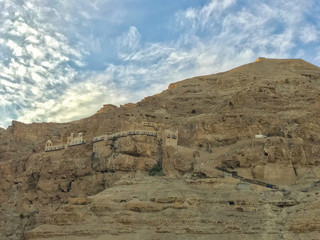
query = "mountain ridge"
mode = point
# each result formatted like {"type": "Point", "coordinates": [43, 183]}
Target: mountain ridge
{"type": "Point", "coordinates": [259, 121]}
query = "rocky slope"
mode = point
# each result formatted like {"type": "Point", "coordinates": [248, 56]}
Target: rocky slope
{"type": "Point", "coordinates": [76, 194]}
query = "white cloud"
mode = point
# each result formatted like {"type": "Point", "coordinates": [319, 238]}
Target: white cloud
{"type": "Point", "coordinates": [35, 52]}
{"type": "Point", "coordinates": [309, 33]}
{"type": "Point", "coordinates": [129, 41]}
{"type": "Point", "coordinates": [32, 40]}
{"type": "Point", "coordinates": [150, 53]}
{"type": "Point", "coordinates": [51, 42]}
{"type": "Point", "coordinates": [17, 50]}
{"type": "Point", "coordinates": [194, 18]}
{"type": "Point", "coordinates": [77, 102]}
{"type": "Point", "coordinates": [36, 69]}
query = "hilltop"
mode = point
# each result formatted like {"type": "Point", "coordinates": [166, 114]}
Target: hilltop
{"type": "Point", "coordinates": [259, 121]}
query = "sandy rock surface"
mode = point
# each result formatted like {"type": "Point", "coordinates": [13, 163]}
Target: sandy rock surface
{"type": "Point", "coordinates": [260, 121]}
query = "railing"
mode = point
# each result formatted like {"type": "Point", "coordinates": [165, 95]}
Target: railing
{"type": "Point", "coordinates": [124, 134]}
{"type": "Point", "coordinates": [54, 148]}
{"type": "Point", "coordinates": [104, 137]}
{"type": "Point", "coordinates": [60, 147]}
{"type": "Point", "coordinates": [75, 143]}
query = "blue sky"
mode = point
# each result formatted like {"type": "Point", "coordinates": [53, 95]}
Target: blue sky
{"type": "Point", "coordinates": [61, 60]}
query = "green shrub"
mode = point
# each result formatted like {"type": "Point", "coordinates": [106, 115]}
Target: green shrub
{"type": "Point", "coordinates": [156, 171]}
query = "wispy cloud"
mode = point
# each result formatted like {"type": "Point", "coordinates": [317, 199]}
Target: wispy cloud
{"type": "Point", "coordinates": [36, 67]}
{"type": "Point", "coordinates": [77, 101]}
{"type": "Point", "coordinates": [128, 41]}
{"type": "Point", "coordinates": [201, 18]}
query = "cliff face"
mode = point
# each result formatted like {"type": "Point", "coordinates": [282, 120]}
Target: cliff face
{"type": "Point", "coordinates": [260, 120]}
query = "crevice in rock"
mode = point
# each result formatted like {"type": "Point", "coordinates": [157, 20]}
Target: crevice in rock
{"type": "Point", "coordinates": [133, 154]}
{"type": "Point", "coordinates": [33, 180]}
{"type": "Point", "coordinates": [295, 171]}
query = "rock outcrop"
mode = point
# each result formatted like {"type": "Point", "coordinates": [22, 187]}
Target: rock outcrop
{"type": "Point", "coordinates": [259, 121]}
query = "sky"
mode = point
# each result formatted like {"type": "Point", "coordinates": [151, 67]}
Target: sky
{"type": "Point", "coordinates": [61, 60]}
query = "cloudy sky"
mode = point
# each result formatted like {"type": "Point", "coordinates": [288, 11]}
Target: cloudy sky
{"type": "Point", "coordinates": [61, 60]}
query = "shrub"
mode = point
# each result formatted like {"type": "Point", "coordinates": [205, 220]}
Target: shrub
{"type": "Point", "coordinates": [156, 171]}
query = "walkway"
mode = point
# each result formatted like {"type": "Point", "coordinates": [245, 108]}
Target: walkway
{"type": "Point", "coordinates": [235, 175]}
{"type": "Point", "coordinates": [124, 134]}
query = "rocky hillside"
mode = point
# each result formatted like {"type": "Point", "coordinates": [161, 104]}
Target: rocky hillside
{"type": "Point", "coordinates": [260, 121]}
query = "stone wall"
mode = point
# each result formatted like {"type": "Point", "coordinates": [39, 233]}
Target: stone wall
{"type": "Point", "coordinates": [170, 138]}
{"type": "Point", "coordinates": [75, 139]}
{"type": "Point", "coordinates": [50, 147]}
{"type": "Point", "coordinates": [72, 140]}
{"type": "Point", "coordinates": [100, 142]}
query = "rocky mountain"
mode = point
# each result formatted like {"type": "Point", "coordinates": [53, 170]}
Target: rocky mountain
{"type": "Point", "coordinates": [225, 156]}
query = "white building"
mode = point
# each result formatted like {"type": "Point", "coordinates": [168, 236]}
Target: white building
{"type": "Point", "coordinates": [75, 139]}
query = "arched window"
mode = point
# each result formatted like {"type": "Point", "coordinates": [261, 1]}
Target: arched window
{"type": "Point", "coordinates": [49, 144]}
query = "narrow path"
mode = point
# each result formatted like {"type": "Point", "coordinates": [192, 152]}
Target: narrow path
{"type": "Point", "coordinates": [124, 134]}
{"type": "Point", "coordinates": [235, 175]}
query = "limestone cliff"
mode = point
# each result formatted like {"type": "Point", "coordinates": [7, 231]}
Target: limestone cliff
{"type": "Point", "coordinates": [259, 121]}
